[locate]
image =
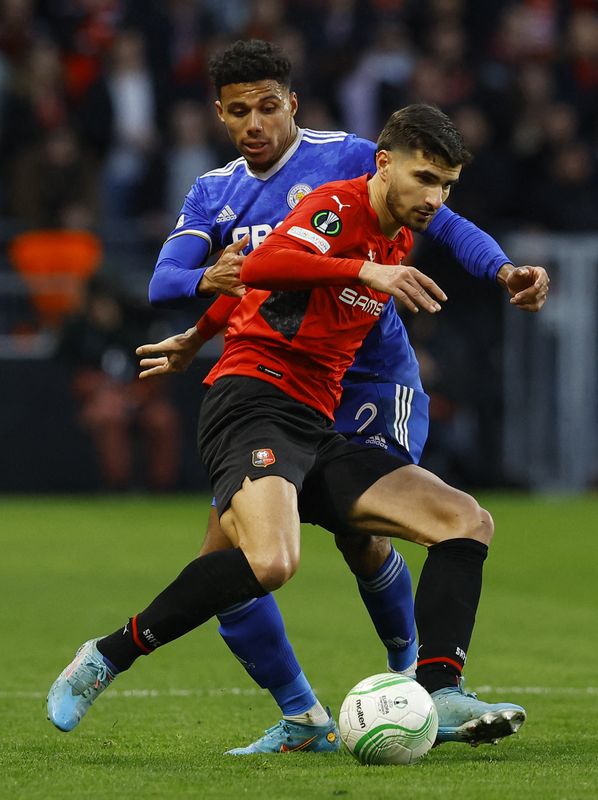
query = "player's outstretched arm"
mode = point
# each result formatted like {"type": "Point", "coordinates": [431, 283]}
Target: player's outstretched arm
{"type": "Point", "coordinates": [224, 275]}
{"type": "Point", "coordinates": [173, 354]}
{"type": "Point", "coordinates": [527, 286]}
{"type": "Point", "coordinates": [177, 352]}
{"type": "Point", "coordinates": [414, 289]}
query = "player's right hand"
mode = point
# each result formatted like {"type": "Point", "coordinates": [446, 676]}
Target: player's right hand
{"type": "Point", "coordinates": [170, 355]}
{"type": "Point", "coordinates": [223, 276]}
{"type": "Point", "coordinates": [414, 289]}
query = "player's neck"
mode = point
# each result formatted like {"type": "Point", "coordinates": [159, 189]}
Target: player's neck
{"type": "Point", "coordinates": [289, 142]}
{"type": "Point", "coordinates": [377, 194]}
{"type": "Point", "coordinates": [294, 133]}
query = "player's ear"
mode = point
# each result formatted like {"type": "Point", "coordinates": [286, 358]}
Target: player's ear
{"type": "Point", "coordinates": [294, 103]}
{"type": "Point", "coordinates": [219, 110]}
{"type": "Point", "coordinates": [383, 158]}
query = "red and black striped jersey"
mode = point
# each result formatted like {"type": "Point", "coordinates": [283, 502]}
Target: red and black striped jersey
{"type": "Point", "coordinates": [306, 313]}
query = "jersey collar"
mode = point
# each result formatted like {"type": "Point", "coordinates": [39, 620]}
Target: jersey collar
{"type": "Point", "coordinates": [278, 165]}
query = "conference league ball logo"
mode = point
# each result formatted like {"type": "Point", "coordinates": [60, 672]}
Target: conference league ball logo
{"type": "Point", "coordinates": [327, 222]}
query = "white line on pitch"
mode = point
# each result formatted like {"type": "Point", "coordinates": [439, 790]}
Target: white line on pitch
{"type": "Point", "coordinates": [562, 690]}
{"type": "Point", "coordinates": [233, 690]}
{"type": "Point", "coordinates": [575, 691]}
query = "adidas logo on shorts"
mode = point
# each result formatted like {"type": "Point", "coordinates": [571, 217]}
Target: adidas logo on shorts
{"type": "Point", "coordinates": [377, 440]}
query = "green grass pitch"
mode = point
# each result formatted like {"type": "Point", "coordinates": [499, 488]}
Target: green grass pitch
{"type": "Point", "coordinates": [71, 568]}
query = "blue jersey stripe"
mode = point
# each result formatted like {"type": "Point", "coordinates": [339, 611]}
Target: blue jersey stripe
{"type": "Point", "coordinates": [202, 234]}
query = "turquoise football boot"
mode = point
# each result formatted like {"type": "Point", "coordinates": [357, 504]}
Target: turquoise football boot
{"type": "Point", "coordinates": [78, 686]}
{"type": "Point", "coordinates": [464, 718]}
{"type": "Point", "coordinates": [292, 737]}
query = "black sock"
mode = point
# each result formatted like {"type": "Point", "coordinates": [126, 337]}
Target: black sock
{"type": "Point", "coordinates": [206, 586]}
{"type": "Point", "coordinates": [446, 602]}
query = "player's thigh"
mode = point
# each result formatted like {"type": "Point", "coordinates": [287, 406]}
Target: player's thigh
{"type": "Point", "coordinates": [342, 473]}
{"type": "Point", "coordinates": [215, 539]}
{"type": "Point", "coordinates": [251, 430]}
{"type": "Point", "coordinates": [414, 504]}
{"type": "Point", "coordinates": [263, 520]}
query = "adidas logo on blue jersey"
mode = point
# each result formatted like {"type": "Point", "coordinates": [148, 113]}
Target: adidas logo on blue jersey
{"type": "Point", "coordinates": [226, 215]}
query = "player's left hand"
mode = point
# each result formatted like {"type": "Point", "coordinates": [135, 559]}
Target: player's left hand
{"type": "Point", "coordinates": [174, 354]}
{"type": "Point", "coordinates": [528, 287]}
{"type": "Point", "coordinates": [223, 276]}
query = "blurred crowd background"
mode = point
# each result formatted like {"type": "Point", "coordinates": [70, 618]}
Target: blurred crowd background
{"type": "Point", "coordinates": [106, 117]}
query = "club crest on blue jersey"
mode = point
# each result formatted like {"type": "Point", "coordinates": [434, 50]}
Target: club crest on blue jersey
{"type": "Point", "coordinates": [327, 222]}
{"type": "Point", "coordinates": [296, 193]}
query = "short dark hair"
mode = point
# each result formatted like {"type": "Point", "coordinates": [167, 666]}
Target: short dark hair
{"type": "Point", "coordinates": [249, 61]}
{"type": "Point", "coordinates": [425, 128]}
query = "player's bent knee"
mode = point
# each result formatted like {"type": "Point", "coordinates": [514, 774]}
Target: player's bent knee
{"type": "Point", "coordinates": [486, 528]}
{"type": "Point", "coordinates": [363, 554]}
{"type": "Point", "coordinates": [480, 524]}
{"type": "Point", "coordinates": [272, 571]}
{"type": "Point", "coordinates": [471, 521]}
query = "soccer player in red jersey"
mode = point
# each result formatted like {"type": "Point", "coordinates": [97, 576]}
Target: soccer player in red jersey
{"type": "Point", "coordinates": [303, 337]}
{"type": "Point", "coordinates": [317, 285]}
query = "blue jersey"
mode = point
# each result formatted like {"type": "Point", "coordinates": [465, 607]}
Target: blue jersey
{"type": "Point", "coordinates": [227, 203]}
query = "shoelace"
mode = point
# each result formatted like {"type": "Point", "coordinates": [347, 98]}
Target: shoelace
{"type": "Point", "coordinates": [89, 671]}
{"type": "Point", "coordinates": [282, 724]}
{"type": "Point", "coordinates": [102, 676]}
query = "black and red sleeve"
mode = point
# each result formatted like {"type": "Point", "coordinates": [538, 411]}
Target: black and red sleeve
{"type": "Point", "coordinates": [216, 317]}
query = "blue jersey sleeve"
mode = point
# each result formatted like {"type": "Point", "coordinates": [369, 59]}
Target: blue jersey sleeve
{"type": "Point", "coordinates": [360, 154]}
{"type": "Point", "coordinates": [178, 269]}
{"type": "Point", "coordinates": [476, 250]}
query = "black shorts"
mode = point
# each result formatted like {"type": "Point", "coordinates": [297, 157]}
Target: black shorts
{"type": "Point", "coordinates": [250, 428]}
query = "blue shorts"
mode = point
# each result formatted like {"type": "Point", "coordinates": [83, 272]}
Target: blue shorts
{"type": "Point", "coordinates": [385, 415]}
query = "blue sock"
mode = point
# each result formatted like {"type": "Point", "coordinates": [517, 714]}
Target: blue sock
{"type": "Point", "coordinates": [254, 631]}
{"type": "Point", "coordinates": [388, 598]}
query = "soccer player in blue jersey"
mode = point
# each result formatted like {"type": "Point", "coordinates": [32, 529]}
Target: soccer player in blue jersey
{"type": "Point", "coordinates": [281, 164]}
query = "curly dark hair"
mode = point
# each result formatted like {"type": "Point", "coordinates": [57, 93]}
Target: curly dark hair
{"type": "Point", "coordinates": [249, 61]}
{"type": "Point", "coordinates": [426, 128]}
